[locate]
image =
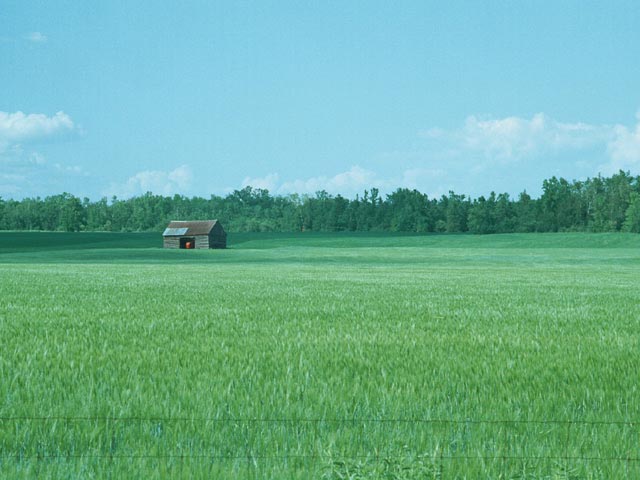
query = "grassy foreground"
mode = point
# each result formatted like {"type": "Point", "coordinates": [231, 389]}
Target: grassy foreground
{"type": "Point", "coordinates": [320, 356]}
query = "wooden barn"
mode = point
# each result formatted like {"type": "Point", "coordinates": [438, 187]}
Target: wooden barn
{"type": "Point", "coordinates": [196, 234]}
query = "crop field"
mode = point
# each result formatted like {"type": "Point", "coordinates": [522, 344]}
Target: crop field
{"type": "Point", "coordinates": [329, 356]}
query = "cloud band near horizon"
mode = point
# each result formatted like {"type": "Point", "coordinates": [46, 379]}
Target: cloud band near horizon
{"type": "Point", "coordinates": [516, 153]}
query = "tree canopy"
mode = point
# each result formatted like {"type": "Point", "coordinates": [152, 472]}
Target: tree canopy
{"type": "Point", "coordinates": [600, 204]}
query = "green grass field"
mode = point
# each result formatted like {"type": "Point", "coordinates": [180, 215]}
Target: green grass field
{"type": "Point", "coordinates": [320, 356]}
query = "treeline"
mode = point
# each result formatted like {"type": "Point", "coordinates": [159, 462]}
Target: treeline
{"type": "Point", "coordinates": [597, 204]}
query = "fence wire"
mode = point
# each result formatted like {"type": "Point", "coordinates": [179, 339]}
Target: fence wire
{"type": "Point", "coordinates": [336, 444]}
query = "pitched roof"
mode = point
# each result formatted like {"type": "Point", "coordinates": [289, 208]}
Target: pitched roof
{"type": "Point", "coordinates": [179, 229]}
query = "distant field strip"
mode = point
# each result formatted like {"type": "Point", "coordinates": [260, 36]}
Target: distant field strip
{"type": "Point", "coordinates": [320, 356]}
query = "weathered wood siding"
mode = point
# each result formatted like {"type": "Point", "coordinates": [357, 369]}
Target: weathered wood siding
{"type": "Point", "coordinates": [171, 242]}
{"type": "Point", "coordinates": [202, 241]}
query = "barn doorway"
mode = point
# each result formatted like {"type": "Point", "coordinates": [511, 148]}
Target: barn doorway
{"type": "Point", "coordinates": [187, 242]}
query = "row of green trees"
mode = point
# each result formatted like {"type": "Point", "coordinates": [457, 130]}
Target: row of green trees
{"type": "Point", "coordinates": [598, 204]}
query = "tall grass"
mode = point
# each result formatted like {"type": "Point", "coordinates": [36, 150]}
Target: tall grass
{"type": "Point", "coordinates": [322, 357]}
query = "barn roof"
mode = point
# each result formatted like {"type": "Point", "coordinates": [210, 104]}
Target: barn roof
{"type": "Point", "coordinates": [179, 229]}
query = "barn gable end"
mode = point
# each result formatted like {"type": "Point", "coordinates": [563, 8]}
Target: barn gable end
{"type": "Point", "coordinates": [194, 234]}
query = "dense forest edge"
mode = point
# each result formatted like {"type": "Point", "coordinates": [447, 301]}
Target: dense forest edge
{"type": "Point", "coordinates": [600, 204]}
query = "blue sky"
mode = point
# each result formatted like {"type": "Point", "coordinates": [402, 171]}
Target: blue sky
{"type": "Point", "coordinates": [118, 98]}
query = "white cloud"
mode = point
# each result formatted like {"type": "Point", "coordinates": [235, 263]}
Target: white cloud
{"type": "Point", "coordinates": [352, 181]}
{"type": "Point", "coordinates": [24, 174]}
{"type": "Point", "coordinates": [348, 183]}
{"type": "Point", "coordinates": [36, 37]}
{"type": "Point", "coordinates": [70, 169]}
{"type": "Point", "coordinates": [181, 177]}
{"type": "Point", "coordinates": [27, 172]}
{"type": "Point", "coordinates": [623, 149]}
{"type": "Point", "coordinates": [269, 182]}
{"type": "Point", "coordinates": [17, 128]}
{"type": "Point", "coordinates": [414, 177]}
{"type": "Point", "coordinates": [156, 181]}
{"type": "Point", "coordinates": [509, 154]}
{"type": "Point", "coordinates": [489, 146]}
{"type": "Point", "coordinates": [513, 138]}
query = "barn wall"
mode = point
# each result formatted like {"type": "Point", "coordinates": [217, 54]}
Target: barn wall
{"type": "Point", "coordinates": [217, 236]}
{"type": "Point", "coordinates": [217, 240]}
{"type": "Point", "coordinates": [171, 242]}
{"type": "Point", "coordinates": [202, 241]}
